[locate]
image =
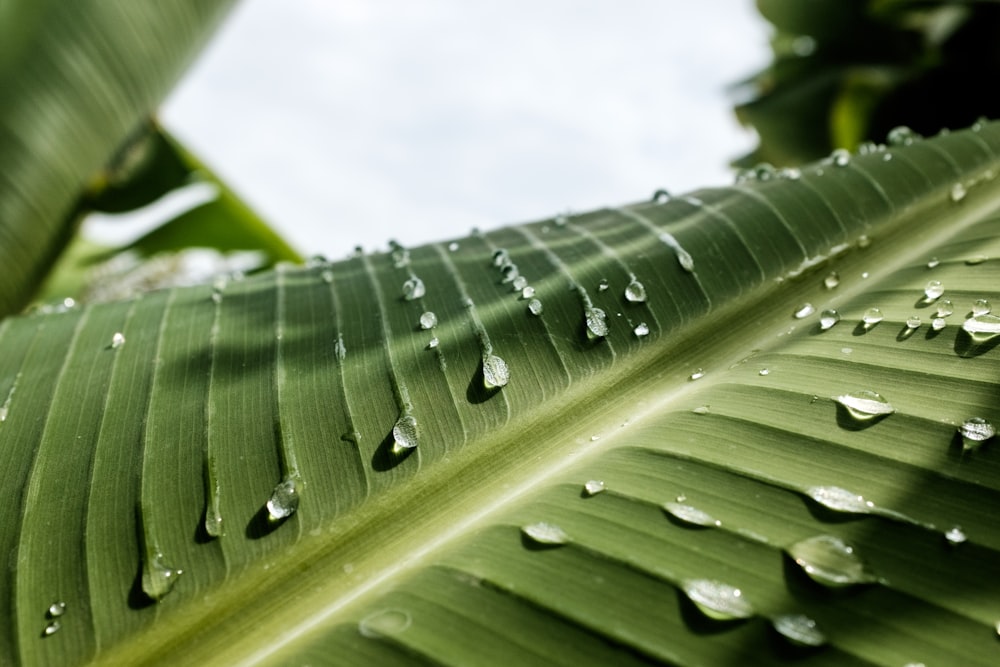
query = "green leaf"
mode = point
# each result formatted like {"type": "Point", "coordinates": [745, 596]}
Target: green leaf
{"type": "Point", "coordinates": [77, 78]}
{"type": "Point", "coordinates": [732, 504]}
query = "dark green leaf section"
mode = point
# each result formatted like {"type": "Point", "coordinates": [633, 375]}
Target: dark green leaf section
{"type": "Point", "coordinates": [141, 473]}
{"type": "Point", "coordinates": [77, 79]}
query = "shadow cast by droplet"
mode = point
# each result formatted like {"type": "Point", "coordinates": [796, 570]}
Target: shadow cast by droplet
{"type": "Point", "coordinates": [137, 598]}
{"type": "Point", "coordinates": [959, 453]}
{"type": "Point", "coordinates": [802, 587]}
{"type": "Point", "coordinates": [262, 525]}
{"type": "Point", "coordinates": [932, 333]}
{"type": "Point", "coordinates": [477, 392]}
{"type": "Point", "coordinates": [684, 524]}
{"type": "Point", "coordinates": [821, 512]}
{"type": "Point", "coordinates": [700, 624]}
{"type": "Point", "coordinates": [201, 535]}
{"type": "Point", "coordinates": [849, 423]}
{"type": "Point", "coordinates": [905, 333]}
{"type": "Point", "coordinates": [924, 302]}
{"type": "Point", "coordinates": [861, 328]}
{"type": "Point", "coordinates": [386, 458]}
{"type": "Point", "coordinates": [967, 346]}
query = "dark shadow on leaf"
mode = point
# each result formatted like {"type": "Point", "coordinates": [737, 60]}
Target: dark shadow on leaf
{"type": "Point", "coordinates": [262, 525]}
{"type": "Point", "coordinates": [861, 329]}
{"type": "Point", "coordinates": [967, 345]}
{"type": "Point", "coordinates": [533, 545]}
{"type": "Point", "coordinates": [849, 423]}
{"type": "Point", "coordinates": [905, 333]}
{"type": "Point", "coordinates": [477, 392]}
{"type": "Point", "coordinates": [385, 458]}
{"type": "Point", "coordinates": [700, 624]}
{"type": "Point", "coordinates": [823, 513]}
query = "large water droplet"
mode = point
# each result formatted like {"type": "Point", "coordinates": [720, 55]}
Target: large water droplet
{"type": "Point", "coordinates": [383, 623]}
{"type": "Point", "coordinates": [865, 405]}
{"type": "Point", "coordinates": [414, 289]}
{"type": "Point", "coordinates": [641, 330]}
{"type": "Point", "coordinates": [158, 578]}
{"type": "Point", "coordinates": [495, 372]}
{"type": "Point", "coordinates": [691, 515]}
{"type": "Point", "coordinates": [830, 561]}
{"type": "Point", "coordinates": [957, 192]}
{"type": "Point", "coordinates": [428, 320]}
{"type": "Point", "coordinates": [982, 327]}
{"type": "Point", "coordinates": [284, 500]}
{"type": "Point", "coordinates": [832, 280]}
{"type": "Point", "coordinates": [56, 609]}
{"type": "Point", "coordinates": [828, 318]}
{"type": "Point", "coordinates": [635, 292]}
{"type": "Point", "coordinates": [597, 323]}
{"type": "Point", "coordinates": [404, 434]}
{"type": "Point", "coordinates": [535, 307]}
{"type": "Point", "coordinates": [841, 500]}
{"type": "Point", "coordinates": [593, 487]}
{"type": "Point", "coordinates": [545, 533]}
{"type": "Point", "coordinates": [975, 431]}
{"type": "Point", "coordinates": [805, 310]}
{"type": "Point", "coordinates": [716, 600]}
{"type": "Point", "coordinates": [871, 317]}
{"type": "Point", "coordinates": [798, 629]}
{"type": "Point", "coordinates": [117, 340]}
{"type": "Point", "coordinates": [981, 307]}
{"type": "Point", "coordinates": [52, 628]}
{"type": "Point", "coordinates": [945, 308]}
{"type": "Point", "coordinates": [933, 289]}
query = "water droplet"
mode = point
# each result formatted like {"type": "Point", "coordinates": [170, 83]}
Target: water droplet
{"type": "Point", "coordinates": [789, 173]}
{"type": "Point", "coordinates": [660, 196]}
{"type": "Point", "coordinates": [886, 157]}
{"type": "Point", "coordinates": [432, 343]}
{"type": "Point", "coordinates": [593, 487]}
{"type": "Point", "coordinates": [117, 340]}
{"type": "Point", "coordinates": [702, 410]}
{"type": "Point", "coordinates": [955, 536]}
{"type": "Point", "coordinates": [945, 308]}
{"type": "Point", "coordinates": [976, 259]}
{"type": "Point", "coordinates": [339, 348]}
{"type": "Point", "coordinates": [635, 292]}
{"type": "Point", "coordinates": [519, 283]}
{"type": "Point", "coordinates": [56, 609]}
{"type": "Point", "coordinates": [716, 600]}
{"type": "Point", "coordinates": [864, 241]}
{"type": "Point", "coordinates": [404, 434]}
{"type": "Point", "coordinates": [500, 257]}
{"type": "Point", "coordinates": [803, 311]}
{"type": "Point", "coordinates": [597, 323]}
{"type": "Point", "coordinates": [865, 405]}
{"type": "Point", "coordinates": [453, 246]}
{"type": "Point", "coordinates": [830, 561]}
{"type": "Point", "coordinates": [933, 263]}
{"type": "Point", "coordinates": [535, 307]}
{"type": "Point", "coordinates": [545, 533]}
{"type": "Point", "coordinates": [872, 316]}
{"type": "Point", "coordinates": [697, 375]}
{"type": "Point", "coordinates": [938, 323]}
{"type": "Point", "coordinates": [158, 578]}
{"type": "Point", "coordinates": [957, 192]}
{"type": "Point", "coordinates": [933, 289]}
{"type": "Point", "coordinates": [912, 322]}
{"type": "Point", "coordinates": [52, 628]}
{"type": "Point", "coordinates": [400, 258]}
{"type": "Point", "coordinates": [840, 157]}
{"type": "Point", "coordinates": [510, 272]}
{"type": "Point", "coordinates": [528, 292]}
{"type": "Point", "coordinates": [690, 515]}
{"type": "Point", "coordinates": [828, 318]}
{"type": "Point", "coordinates": [798, 629]}
{"type": "Point", "coordinates": [840, 500]}
{"type": "Point", "coordinates": [327, 276]}
{"type": "Point", "coordinates": [764, 371]}
{"type": "Point", "coordinates": [982, 326]}
{"type": "Point", "coordinates": [216, 296]}
{"type": "Point", "coordinates": [284, 500]}
{"type": "Point", "coordinates": [902, 136]}
{"type": "Point", "coordinates": [495, 372]}
{"type": "Point", "coordinates": [641, 329]}
{"type": "Point", "coordinates": [428, 320]}
{"type": "Point", "coordinates": [384, 622]}
{"type": "Point", "coordinates": [975, 431]}
{"type": "Point", "coordinates": [413, 289]}
{"type": "Point", "coordinates": [981, 307]}
{"type": "Point", "coordinates": [603, 285]}
{"type": "Point", "coordinates": [832, 280]}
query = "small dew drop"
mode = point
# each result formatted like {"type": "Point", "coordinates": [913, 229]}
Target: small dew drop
{"type": "Point", "coordinates": [933, 289]}
{"type": "Point", "coordinates": [453, 246]}
{"type": "Point", "coordinates": [641, 330]}
{"type": "Point", "coordinates": [327, 276]}
{"type": "Point", "coordinates": [383, 623]}
{"type": "Point", "coordinates": [697, 375]}
{"type": "Point", "coordinates": [799, 630]}
{"type": "Point", "coordinates": [828, 318]}
{"type": "Point", "coordinates": [52, 628]}
{"type": "Point", "coordinates": [945, 308]}
{"type": "Point", "coordinates": [535, 307]}
{"type": "Point", "coordinates": [691, 515]}
{"type": "Point", "coordinates": [841, 157]}
{"type": "Point", "coordinates": [635, 292]}
{"type": "Point", "coordinates": [404, 434]}
{"type": "Point", "coordinates": [56, 609]}
{"type": "Point", "coordinates": [495, 372]}
{"type": "Point", "coordinates": [830, 561]}
{"type": "Point", "coordinates": [865, 405]}
{"type": "Point", "coordinates": [545, 533]}
{"type": "Point", "coordinates": [976, 259]}
{"type": "Point", "coordinates": [975, 431]}
{"type": "Point", "coordinates": [955, 536]}
{"type": "Point", "coordinates": [117, 340]}
{"type": "Point", "coordinates": [702, 410]}
{"type": "Point", "coordinates": [603, 285]}
{"type": "Point", "coordinates": [528, 292]}
{"type": "Point", "coordinates": [414, 289]}
{"type": "Point", "coordinates": [716, 600]}
{"type": "Point", "coordinates": [933, 263]}
{"type": "Point", "coordinates": [593, 487]}
{"type": "Point", "coordinates": [902, 136]}
{"type": "Point", "coordinates": [805, 310]}
{"type": "Point", "coordinates": [284, 500]}
{"type": "Point", "coordinates": [597, 323]}
{"type": "Point", "coordinates": [432, 343]}
{"type": "Point", "coordinates": [519, 283]}
{"type": "Point", "coordinates": [938, 323]}
{"type": "Point", "coordinates": [872, 316]}
{"type": "Point", "coordinates": [957, 192]}
{"type": "Point", "coordinates": [864, 241]}
{"type": "Point", "coordinates": [500, 257]}
{"type": "Point", "coordinates": [912, 322]}
{"type": "Point", "coordinates": [832, 280]}
{"type": "Point", "coordinates": [428, 320]}
{"type": "Point", "coordinates": [981, 307]}
{"type": "Point", "coordinates": [764, 371]}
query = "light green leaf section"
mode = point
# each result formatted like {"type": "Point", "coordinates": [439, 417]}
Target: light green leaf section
{"type": "Point", "coordinates": [483, 545]}
{"type": "Point", "coordinates": [76, 77]}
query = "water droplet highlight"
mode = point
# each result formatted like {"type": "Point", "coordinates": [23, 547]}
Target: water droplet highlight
{"type": "Point", "coordinates": [597, 323]}
{"type": "Point", "coordinates": [519, 283]}
{"type": "Point", "coordinates": [404, 434]}
{"type": "Point", "coordinates": [798, 629]}
{"type": "Point", "coordinates": [593, 487]}
{"type": "Point", "coordinates": [830, 561]}
{"type": "Point", "coordinates": [841, 157]}
{"type": "Point", "coordinates": [938, 323]}
{"type": "Point", "coordinates": [603, 285]}
{"type": "Point", "coordinates": [432, 343]}
{"type": "Point", "coordinates": [957, 192]}
{"type": "Point", "coordinates": [864, 241]}
{"type": "Point", "coordinates": [975, 431]}
{"type": "Point", "coordinates": [828, 318]}
{"type": "Point", "coordinates": [284, 500]}
{"type": "Point", "coordinates": [865, 405]}
{"type": "Point", "coordinates": [327, 276]}
{"type": "Point", "coordinates": [982, 327]}
{"type": "Point", "coordinates": [716, 600]}
{"type": "Point", "coordinates": [697, 375]}
{"type": "Point", "coordinates": [495, 372]}
{"type": "Point", "coordinates": [832, 280]}
{"type": "Point", "coordinates": [840, 500]}
{"type": "Point", "coordinates": [535, 307]}
{"type": "Point", "coordinates": [955, 536]}
{"type": "Point", "coordinates": [933, 263]}
{"type": "Point", "coordinates": [981, 307]}
{"type": "Point", "coordinates": [641, 330]}
{"type": "Point", "coordinates": [702, 410]}
{"type": "Point", "coordinates": [117, 340]}
{"type": "Point", "coordinates": [902, 136]}
{"type": "Point", "coordinates": [52, 628]}
{"type": "Point", "coordinates": [56, 609]}
{"type": "Point", "coordinates": [453, 246]}
{"type": "Point", "coordinates": [976, 259]}
{"type": "Point", "coordinates": [912, 322]}
{"type": "Point", "coordinates": [803, 311]}
{"type": "Point", "coordinates": [691, 515]}
{"type": "Point", "coordinates": [764, 371]}
{"type": "Point", "coordinates": [528, 292]}
{"type": "Point", "coordinates": [428, 320]}
{"type": "Point", "coordinates": [635, 292]}
{"type": "Point", "coordinates": [414, 289]}
{"type": "Point", "coordinates": [933, 289]}
{"type": "Point", "coordinates": [545, 533]}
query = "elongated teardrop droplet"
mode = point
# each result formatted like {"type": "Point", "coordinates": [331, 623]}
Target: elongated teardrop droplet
{"type": "Point", "coordinates": [830, 561]}
{"type": "Point", "coordinates": [404, 434]}
{"type": "Point", "coordinates": [957, 192]}
{"type": "Point", "coordinates": [384, 623]}
{"type": "Point", "coordinates": [52, 628]}
{"type": "Point", "coordinates": [840, 499]}
{"type": "Point", "coordinates": [284, 500]}
{"type": "Point", "coordinates": [495, 372]}
{"type": "Point", "coordinates": [593, 487]}
{"type": "Point", "coordinates": [691, 515]}
{"type": "Point", "coordinates": [545, 533]}
{"type": "Point", "coordinates": [414, 289]}
{"type": "Point", "coordinates": [717, 600]}
{"type": "Point", "coordinates": [798, 629]}
{"type": "Point", "coordinates": [635, 292]}
{"type": "Point", "coordinates": [865, 405]}
{"type": "Point", "coordinates": [805, 310]}
{"type": "Point", "coordinates": [597, 323]}
{"type": "Point", "coordinates": [158, 578]}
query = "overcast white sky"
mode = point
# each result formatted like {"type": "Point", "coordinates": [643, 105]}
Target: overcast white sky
{"type": "Point", "coordinates": [352, 122]}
